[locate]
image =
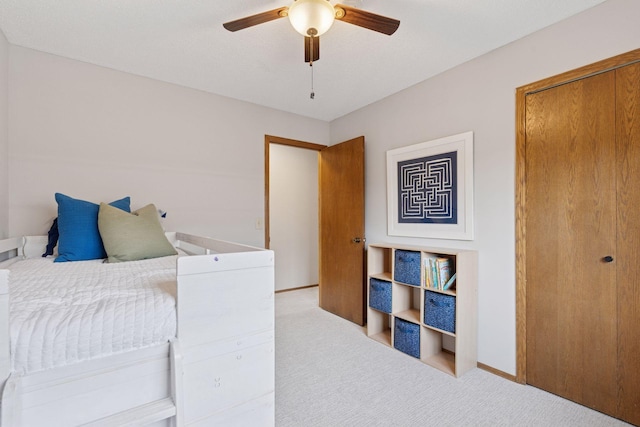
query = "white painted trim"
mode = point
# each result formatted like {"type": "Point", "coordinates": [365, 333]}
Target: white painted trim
{"type": "Point", "coordinates": [143, 415]}
{"type": "Point", "coordinates": [177, 387]}
{"type": "Point", "coordinates": [11, 403]}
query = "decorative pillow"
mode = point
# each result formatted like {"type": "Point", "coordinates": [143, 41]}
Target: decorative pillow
{"type": "Point", "coordinates": [133, 236]}
{"type": "Point", "coordinates": [53, 238]}
{"type": "Point", "coordinates": [78, 227]}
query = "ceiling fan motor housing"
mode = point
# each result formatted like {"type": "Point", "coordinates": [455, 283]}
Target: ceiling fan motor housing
{"type": "Point", "coordinates": [311, 17]}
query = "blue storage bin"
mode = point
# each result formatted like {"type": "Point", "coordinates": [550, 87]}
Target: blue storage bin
{"type": "Point", "coordinates": [380, 295]}
{"type": "Point", "coordinates": [407, 267]}
{"type": "Point", "coordinates": [407, 337]}
{"type": "Point", "coordinates": [440, 311]}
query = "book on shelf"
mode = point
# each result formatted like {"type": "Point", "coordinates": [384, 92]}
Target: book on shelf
{"type": "Point", "coordinates": [443, 265]}
{"type": "Point", "coordinates": [434, 273]}
{"type": "Point", "coordinates": [447, 286]}
{"type": "Point", "coordinates": [430, 276]}
{"type": "Point", "coordinates": [428, 271]}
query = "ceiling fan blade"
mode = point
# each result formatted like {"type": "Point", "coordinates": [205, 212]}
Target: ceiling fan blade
{"type": "Point", "coordinates": [260, 18]}
{"type": "Point", "coordinates": [368, 20]}
{"type": "Point", "coordinates": [311, 49]}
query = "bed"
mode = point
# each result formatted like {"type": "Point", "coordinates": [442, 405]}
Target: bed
{"type": "Point", "coordinates": [210, 360]}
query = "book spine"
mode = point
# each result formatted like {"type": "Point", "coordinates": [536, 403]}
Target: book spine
{"type": "Point", "coordinates": [434, 272]}
{"type": "Point", "coordinates": [444, 271]}
{"type": "Point", "coordinates": [449, 284]}
{"type": "Point", "coordinates": [425, 273]}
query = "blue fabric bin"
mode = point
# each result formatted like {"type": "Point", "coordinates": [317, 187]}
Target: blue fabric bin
{"type": "Point", "coordinates": [440, 311]}
{"type": "Point", "coordinates": [380, 295]}
{"type": "Point", "coordinates": [407, 337]}
{"type": "Point", "coordinates": [407, 267]}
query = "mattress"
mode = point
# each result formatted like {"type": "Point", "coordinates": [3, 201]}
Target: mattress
{"type": "Point", "coordinates": [64, 313]}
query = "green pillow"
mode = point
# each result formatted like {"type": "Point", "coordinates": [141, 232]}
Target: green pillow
{"type": "Point", "coordinates": [132, 236]}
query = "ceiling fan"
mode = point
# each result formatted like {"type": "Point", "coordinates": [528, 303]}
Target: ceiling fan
{"type": "Point", "coordinates": [312, 18]}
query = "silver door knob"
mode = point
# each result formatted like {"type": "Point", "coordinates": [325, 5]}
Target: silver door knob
{"type": "Point", "coordinates": [358, 240]}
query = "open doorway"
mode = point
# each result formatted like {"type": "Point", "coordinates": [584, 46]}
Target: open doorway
{"type": "Point", "coordinates": [291, 210]}
{"type": "Point", "coordinates": [341, 260]}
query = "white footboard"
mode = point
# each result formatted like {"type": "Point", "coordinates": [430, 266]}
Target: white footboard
{"type": "Point", "coordinates": [219, 370]}
{"type": "Point", "coordinates": [226, 331]}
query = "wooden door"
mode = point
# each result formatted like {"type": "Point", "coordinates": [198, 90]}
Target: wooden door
{"type": "Point", "coordinates": [571, 226]}
{"type": "Point", "coordinates": [628, 240]}
{"type": "Point", "coordinates": [341, 277]}
{"type": "Point", "coordinates": [582, 215]}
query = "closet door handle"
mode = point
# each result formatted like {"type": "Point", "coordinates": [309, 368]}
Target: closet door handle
{"type": "Point", "coordinates": [358, 240]}
{"type": "Point", "coordinates": [608, 258]}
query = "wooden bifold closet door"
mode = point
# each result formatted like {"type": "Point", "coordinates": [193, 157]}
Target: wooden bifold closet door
{"type": "Point", "coordinates": [582, 211]}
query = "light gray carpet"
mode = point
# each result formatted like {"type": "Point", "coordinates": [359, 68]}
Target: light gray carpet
{"type": "Point", "coordinates": [328, 373]}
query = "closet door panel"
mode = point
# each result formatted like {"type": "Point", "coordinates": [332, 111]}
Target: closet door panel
{"type": "Point", "coordinates": [571, 225]}
{"type": "Point", "coordinates": [628, 240]}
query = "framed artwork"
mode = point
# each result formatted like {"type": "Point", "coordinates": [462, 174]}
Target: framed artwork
{"type": "Point", "coordinates": [430, 189]}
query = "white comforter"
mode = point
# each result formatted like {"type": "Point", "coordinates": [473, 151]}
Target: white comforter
{"type": "Point", "coordinates": [62, 313]}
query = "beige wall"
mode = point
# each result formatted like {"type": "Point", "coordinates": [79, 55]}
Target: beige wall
{"type": "Point", "coordinates": [479, 96]}
{"type": "Point", "coordinates": [4, 144]}
{"type": "Point", "coordinates": [98, 134]}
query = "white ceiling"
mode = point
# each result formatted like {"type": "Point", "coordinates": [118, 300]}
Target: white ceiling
{"type": "Point", "coordinates": [183, 42]}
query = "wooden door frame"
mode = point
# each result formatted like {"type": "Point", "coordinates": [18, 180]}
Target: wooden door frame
{"type": "Point", "coordinates": [521, 93]}
{"type": "Point", "coordinates": [270, 139]}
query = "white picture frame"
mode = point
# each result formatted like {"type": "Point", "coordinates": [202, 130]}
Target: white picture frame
{"type": "Point", "coordinates": [430, 189]}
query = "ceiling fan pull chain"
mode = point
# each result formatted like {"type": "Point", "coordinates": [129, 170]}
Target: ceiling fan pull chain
{"type": "Point", "coordinates": [313, 94]}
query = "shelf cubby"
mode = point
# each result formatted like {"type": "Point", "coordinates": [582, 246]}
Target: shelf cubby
{"type": "Point", "coordinates": [379, 326]}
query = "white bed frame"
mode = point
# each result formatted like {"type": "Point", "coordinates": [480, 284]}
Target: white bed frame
{"type": "Point", "coordinates": [219, 370]}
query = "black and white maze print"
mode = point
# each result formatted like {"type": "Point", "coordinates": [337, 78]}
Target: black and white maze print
{"type": "Point", "coordinates": [427, 190]}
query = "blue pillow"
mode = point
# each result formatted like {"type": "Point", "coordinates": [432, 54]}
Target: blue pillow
{"type": "Point", "coordinates": [79, 238]}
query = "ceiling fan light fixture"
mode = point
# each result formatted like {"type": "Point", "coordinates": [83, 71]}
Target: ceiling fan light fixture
{"type": "Point", "coordinates": [311, 17]}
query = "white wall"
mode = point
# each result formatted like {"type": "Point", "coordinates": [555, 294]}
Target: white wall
{"type": "Point", "coordinates": [293, 213]}
{"type": "Point", "coordinates": [98, 134]}
{"type": "Point", "coordinates": [479, 96]}
{"type": "Point", "coordinates": [4, 143]}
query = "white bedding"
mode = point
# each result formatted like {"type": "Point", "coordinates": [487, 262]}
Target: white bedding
{"type": "Point", "coordinates": [62, 313]}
